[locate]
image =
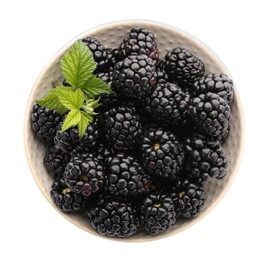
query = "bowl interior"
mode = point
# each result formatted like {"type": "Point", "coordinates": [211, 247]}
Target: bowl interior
{"type": "Point", "coordinates": [167, 38]}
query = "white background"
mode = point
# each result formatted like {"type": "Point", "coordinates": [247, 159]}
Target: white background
{"type": "Point", "coordinates": [32, 32]}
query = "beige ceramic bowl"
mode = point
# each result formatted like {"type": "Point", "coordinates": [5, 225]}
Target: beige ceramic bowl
{"type": "Point", "coordinates": [167, 37]}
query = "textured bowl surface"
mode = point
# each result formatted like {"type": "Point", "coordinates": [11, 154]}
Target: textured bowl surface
{"type": "Point", "coordinates": [167, 38]}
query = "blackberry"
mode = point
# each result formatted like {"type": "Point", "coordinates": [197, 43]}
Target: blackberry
{"type": "Point", "coordinates": [168, 105]}
{"type": "Point", "coordinates": [114, 218]}
{"type": "Point", "coordinates": [134, 77]}
{"type": "Point", "coordinates": [162, 154]}
{"type": "Point", "coordinates": [158, 213]}
{"type": "Point", "coordinates": [55, 161]}
{"type": "Point", "coordinates": [183, 67]}
{"type": "Point", "coordinates": [64, 199]}
{"type": "Point", "coordinates": [205, 158]}
{"type": "Point", "coordinates": [125, 176]}
{"type": "Point", "coordinates": [44, 122]}
{"type": "Point", "coordinates": [139, 41]}
{"type": "Point", "coordinates": [210, 113]}
{"type": "Point", "coordinates": [84, 174]}
{"type": "Point", "coordinates": [122, 127]}
{"type": "Point", "coordinates": [217, 83]}
{"type": "Point", "coordinates": [99, 53]}
{"type": "Point", "coordinates": [108, 100]}
{"type": "Point", "coordinates": [69, 140]}
{"type": "Point", "coordinates": [188, 198]}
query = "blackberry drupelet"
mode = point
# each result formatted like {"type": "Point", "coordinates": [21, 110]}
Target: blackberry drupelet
{"type": "Point", "coordinates": [122, 127]}
{"type": "Point", "coordinates": [158, 213]}
{"type": "Point", "coordinates": [223, 137]}
{"type": "Point", "coordinates": [113, 218]}
{"type": "Point", "coordinates": [189, 198]}
{"type": "Point", "coordinates": [108, 100]}
{"type": "Point", "coordinates": [44, 122]}
{"type": "Point", "coordinates": [99, 53]}
{"type": "Point", "coordinates": [69, 140]}
{"type": "Point", "coordinates": [183, 67]}
{"type": "Point", "coordinates": [125, 176]}
{"type": "Point", "coordinates": [106, 76]}
{"type": "Point", "coordinates": [103, 152]}
{"type": "Point", "coordinates": [168, 105]}
{"type": "Point", "coordinates": [210, 113]}
{"type": "Point", "coordinates": [217, 83]}
{"type": "Point", "coordinates": [160, 70]}
{"type": "Point", "coordinates": [134, 77]}
{"type": "Point", "coordinates": [205, 158]}
{"type": "Point", "coordinates": [139, 41]}
{"type": "Point", "coordinates": [84, 174]}
{"type": "Point", "coordinates": [113, 56]}
{"type": "Point", "coordinates": [161, 153]}
{"type": "Point", "coordinates": [55, 161]}
{"type": "Point", "coordinates": [64, 198]}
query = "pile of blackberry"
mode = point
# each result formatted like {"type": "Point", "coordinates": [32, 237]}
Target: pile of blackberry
{"type": "Point", "coordinates": [154, 145]}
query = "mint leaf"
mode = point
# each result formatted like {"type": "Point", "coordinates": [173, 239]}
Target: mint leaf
{"type": "Point", "coordinates": [72, 119]}
{"type": "Point", "coordinates": [52, 101]}
{"type": "Point", "coordinates": [78, 64]}
{"type": "Point", "coordinates": [84, 122]}
{"type": "Point", "coordinates": [71, 99]}
{"type": "Point", "coordinates": [95, 86]}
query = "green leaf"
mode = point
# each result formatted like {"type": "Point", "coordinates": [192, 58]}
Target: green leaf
{"type": "Point", "coordinates": [71, 99]}
{"type": "Point", "coordinates": [78, 64]}
{"type": "Point", "coordinates": [95, 86]}
{"type": "Point", "coordinates": [72, 119]}
{"type": "Point", "coordinates": [90, 105]}
{"type": "Point", "coordinates": [52, 101]}
{"type": "Point", "coordinates": [84, 122]}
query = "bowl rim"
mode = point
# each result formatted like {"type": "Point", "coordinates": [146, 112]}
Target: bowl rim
{"type": "Point", "coordinates": [140, 22]}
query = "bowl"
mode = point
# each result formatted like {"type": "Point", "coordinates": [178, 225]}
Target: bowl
{"type": "Point", "coordinates": [167, 37]}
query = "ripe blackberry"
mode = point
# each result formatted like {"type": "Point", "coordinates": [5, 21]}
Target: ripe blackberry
{"type": "Point", "coordinates": [205, 158]}
{"type": "Point", "coordinates": [122, 127]}
{"type": "Point", "coordinates": [84, 174]}
{"type": "Point", "coordinates": [217, 83]}
{"type": "Point", "coordinates": [139, 41]}
{"type": "Point", "coordinates": [183, 67]}
{"type": "Point", "coordinates": [55, 161]}
{"type": "Point", "coordinates": [69, 140]}
{"type": "Point", "coordinates": [44, 122]}
{"type": "Point", "coordinates": [188, 198]}
{"type": "Point", "coordinates": [125, 176]}
{"type": "Point", "coordinates": [168, 105]}
{"type": "Point", "coordinates": [210, 113]}
{"type": "Point", "coordinates": [113, 218]}
{"type": "Point", "coordinates": [108, 100]}
{"type": "Point", "coordinates": [135, 76]}
{"type": "Point", "coordinates": [99, 53]}
{"type": "Point", "coordinates": [64, 198]}
{"type": "Point", "coordinates": [158, 213]}
{"type": "Point", "coordinates": [162, 154]}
